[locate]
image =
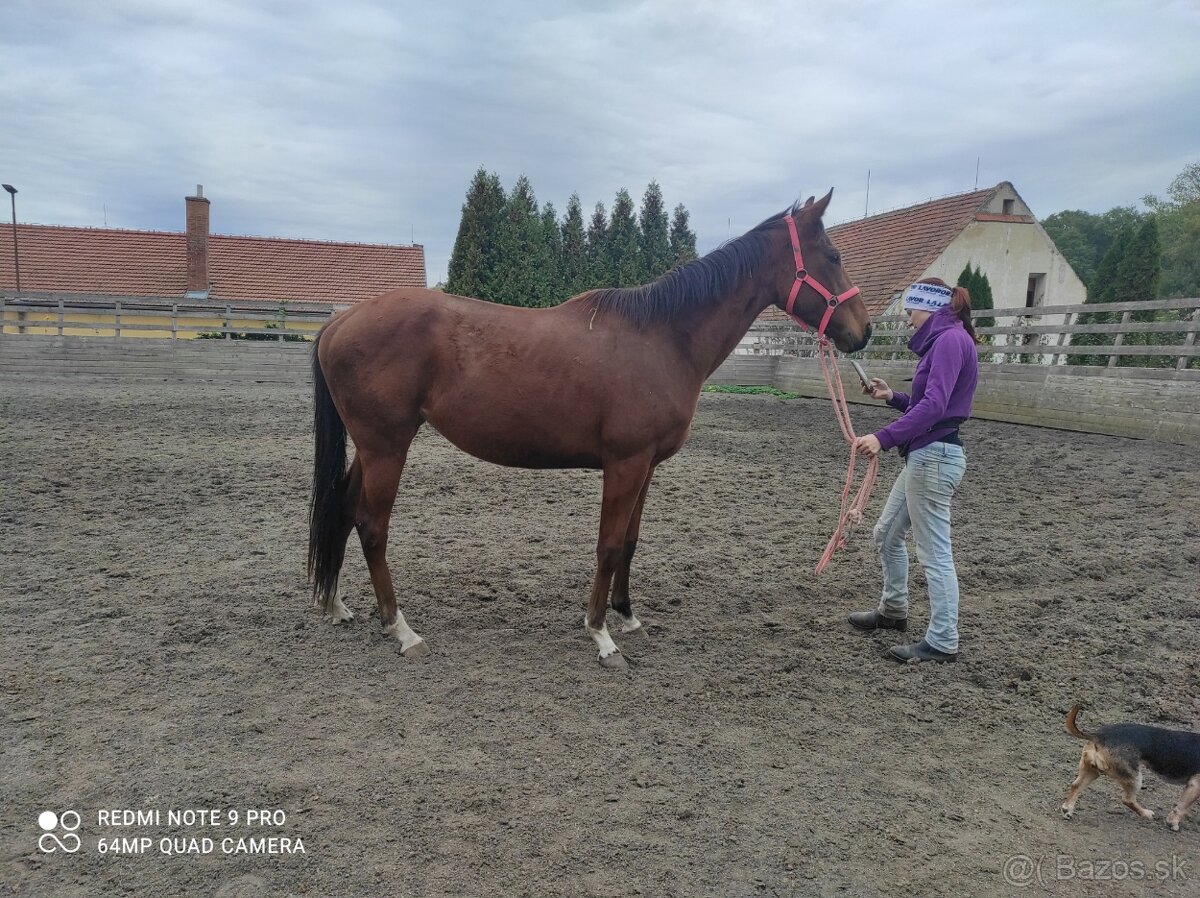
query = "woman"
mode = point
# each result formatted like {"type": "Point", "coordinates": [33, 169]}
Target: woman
{"type": "Point", "coordinates": [934, 462]}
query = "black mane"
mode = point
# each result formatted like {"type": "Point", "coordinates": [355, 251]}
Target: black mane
{"type": "Point", "coordinates": [695, 285]}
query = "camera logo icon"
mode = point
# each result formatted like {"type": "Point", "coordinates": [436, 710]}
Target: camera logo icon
{"type": "Point", "coordinates": [50, 840]}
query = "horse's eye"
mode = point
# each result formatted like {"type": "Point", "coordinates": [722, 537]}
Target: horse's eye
{"type": "Point", "coordinates": [835, 257]}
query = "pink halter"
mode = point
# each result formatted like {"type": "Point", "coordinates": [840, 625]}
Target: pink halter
{"type": "Point", "coordinates": [803, 277]}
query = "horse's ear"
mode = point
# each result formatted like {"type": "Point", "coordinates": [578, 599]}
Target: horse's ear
{"type": "Point", "coordinates": [822, 204]}
{"type": "Point", "coordinates": [808, 202]}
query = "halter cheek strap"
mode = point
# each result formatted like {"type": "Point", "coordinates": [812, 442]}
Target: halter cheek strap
{"type": "Point", "coordinates": [832, 301]}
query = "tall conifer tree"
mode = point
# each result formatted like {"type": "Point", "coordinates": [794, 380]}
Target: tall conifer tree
{"type": "Point", "coordinates": [1139, 276]}
{"type": "Point", "coordinates": [574, 249]}
{"type": "Point", "coordinates": [476, 254]}
{"type": "Point", "coordinates": [654, 250]}
{"type": "Point", "coordinates": [623, 242]}
{"type": "Point", "coordinates": [552, 289]}
{"type": "Point", "coordinates": [599, 265]}
{"type": "Point", "coordinates": [1105, 288]}
{"type": "Point", "coordinates": [522, 250]}
{"type": "Point", "coordinates": [682, 241]}
{"type": "Point", "coordinates": [1141, 268]}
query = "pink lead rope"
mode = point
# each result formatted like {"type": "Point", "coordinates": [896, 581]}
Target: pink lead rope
{"type": "Point", "coordinates": [851, 508]}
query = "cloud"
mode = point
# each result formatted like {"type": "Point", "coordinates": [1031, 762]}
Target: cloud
{"type": "Point", "coordinates": [366, 120]}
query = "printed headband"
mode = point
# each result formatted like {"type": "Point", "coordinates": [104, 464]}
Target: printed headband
{"type": "Point", "coordinates": [926, 297]}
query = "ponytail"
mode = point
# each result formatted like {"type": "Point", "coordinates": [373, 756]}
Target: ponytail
{"type": "Point", "coordinates": [960, 302]}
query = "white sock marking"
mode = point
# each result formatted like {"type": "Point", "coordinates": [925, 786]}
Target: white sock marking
{"type": "Point", "coordinates": [603, 641]}
{"type": "Point", "coordinates": [628, 624]}
{"type": "Point", "coordinates": [403, 632]}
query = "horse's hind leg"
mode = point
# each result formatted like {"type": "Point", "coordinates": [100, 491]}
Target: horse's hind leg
{"type": "Point", "coordinates": [620, 591]}
{"type": "Point", "coordinates": [380, 480]}
{"type": "Point", "coordinates": [623, 483]}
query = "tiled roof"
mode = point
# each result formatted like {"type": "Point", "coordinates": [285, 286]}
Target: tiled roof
{"type": "Point", "coordinates": [154, 263]}
{"type": "Point", "coordinates": [886, 252]}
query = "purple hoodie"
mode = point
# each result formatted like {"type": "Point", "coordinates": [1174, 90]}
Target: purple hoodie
{"type": "Point", "coordinates": [942, 387]}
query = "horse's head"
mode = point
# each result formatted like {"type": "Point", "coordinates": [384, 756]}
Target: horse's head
{"type": "Point", "coordinates": [820, 292]}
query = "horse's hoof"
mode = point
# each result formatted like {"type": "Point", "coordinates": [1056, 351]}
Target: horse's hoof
{"type": "Point", "coordinates": [638, 632]}
{"type": "Point", "coordinates": [615, 661]}
{"type": "Point", "coordinates": [341, 614]}
{"type": "Point", "coordinates": [418, 649]}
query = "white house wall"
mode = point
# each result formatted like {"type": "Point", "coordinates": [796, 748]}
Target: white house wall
{"type": "Point", "coordinates": [1008, 253]}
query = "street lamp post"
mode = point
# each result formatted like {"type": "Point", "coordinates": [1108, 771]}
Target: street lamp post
{"type": "Point", "coordinates": [12, 192]}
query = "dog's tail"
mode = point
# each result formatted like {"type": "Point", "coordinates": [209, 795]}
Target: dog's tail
{"type": "Point", "coordinates": [1072, 728]}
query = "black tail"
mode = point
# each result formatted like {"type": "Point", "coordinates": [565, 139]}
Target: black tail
{"type": "Point", "coordinates": [326, 511]}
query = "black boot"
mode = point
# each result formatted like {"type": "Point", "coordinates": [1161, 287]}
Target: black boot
{"type": "Point", "coordinates": [919, 651]}
{"type": "Point", "coordinates": [873, 620]}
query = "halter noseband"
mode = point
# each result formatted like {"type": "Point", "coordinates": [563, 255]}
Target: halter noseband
{"type": "Point", "coordinates": [803, 277]}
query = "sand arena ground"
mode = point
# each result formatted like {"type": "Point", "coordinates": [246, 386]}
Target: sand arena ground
{"type": "Point", "coordinates": [159, 651]}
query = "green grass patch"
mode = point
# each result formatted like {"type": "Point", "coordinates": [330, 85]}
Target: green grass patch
{"type": "Point", "coordinates": [770, 391]}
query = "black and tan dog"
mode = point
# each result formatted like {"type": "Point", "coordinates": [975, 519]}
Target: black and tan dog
{"type": "Point", "coordinates": [1120, 751]}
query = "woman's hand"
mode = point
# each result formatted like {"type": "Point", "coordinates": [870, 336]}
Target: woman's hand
{"type": "Point", "coordinates": [868, 444]}
{"type": "Point", "coordinates": [878, 389]}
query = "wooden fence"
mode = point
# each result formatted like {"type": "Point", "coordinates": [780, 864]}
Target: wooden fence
{"type": "Point", "coordinates": [1142, 390]}
{"type": "Point", "coordinates": [51, 337]}
{"type": "Point", "coordinates": [1040, 334]}
{"type": "Point", "coordinates": [72, 316]}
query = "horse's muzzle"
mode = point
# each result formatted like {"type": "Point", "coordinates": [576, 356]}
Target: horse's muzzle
{"type": "Point", "coordinates": [846, 343]}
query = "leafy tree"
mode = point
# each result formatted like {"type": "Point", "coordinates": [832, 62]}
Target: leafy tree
{"type": "Point", "coordinates": [623, 242]}
{"type": "Point", "coordinates": [654, 250]}
{"type": "Point", "coordinates": [1077, 236]}
{"type": "Point", "coordinates": [1178, 220]}
{"type": "Point", "coordinates": [1083, 238]}
{"type": "Point", "coordinates": [682, 241]}
{"type": "Point", "coordinates": [1179, 229]}
{"type": "Point", "coordinates": [574, 249]}
{"type": "Point", "coordinates": [599, 268]}
{"type": "Point", "coordinates": [476, 254]}
{"type": "Point", "coordinates": [1186, 186]}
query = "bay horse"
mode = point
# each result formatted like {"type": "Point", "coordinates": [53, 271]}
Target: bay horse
{"type": "Point", "coordinates": [607, 380]}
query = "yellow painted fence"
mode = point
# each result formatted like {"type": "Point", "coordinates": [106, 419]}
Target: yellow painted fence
{"type": "Point", "coordinates": [160, 319]}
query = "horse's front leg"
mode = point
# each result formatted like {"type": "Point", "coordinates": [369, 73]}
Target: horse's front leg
{"type": "Point", "coordinates": [621, 604]}
{"type": "Point", "coordinates": [623, 482]}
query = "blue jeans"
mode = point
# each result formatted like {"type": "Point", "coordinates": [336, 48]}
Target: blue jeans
{"type": "Point", "coordinates": [920, 500]}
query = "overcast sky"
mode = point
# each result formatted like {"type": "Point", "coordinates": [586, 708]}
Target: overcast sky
{"type": "Point", "coordinates": [365, 120]}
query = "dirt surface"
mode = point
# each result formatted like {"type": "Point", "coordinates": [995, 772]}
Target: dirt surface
{"type": "Point", "coordinates": [159, 652]}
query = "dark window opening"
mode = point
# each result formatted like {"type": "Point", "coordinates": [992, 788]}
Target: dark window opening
{"type": "Point", "coordinates": [1008, 207]}
{"type": "Point", "coordinates": [1035, 290]}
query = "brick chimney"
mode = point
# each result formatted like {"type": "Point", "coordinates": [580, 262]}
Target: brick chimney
{"type": "Point", "coordinates": [197, 244]}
